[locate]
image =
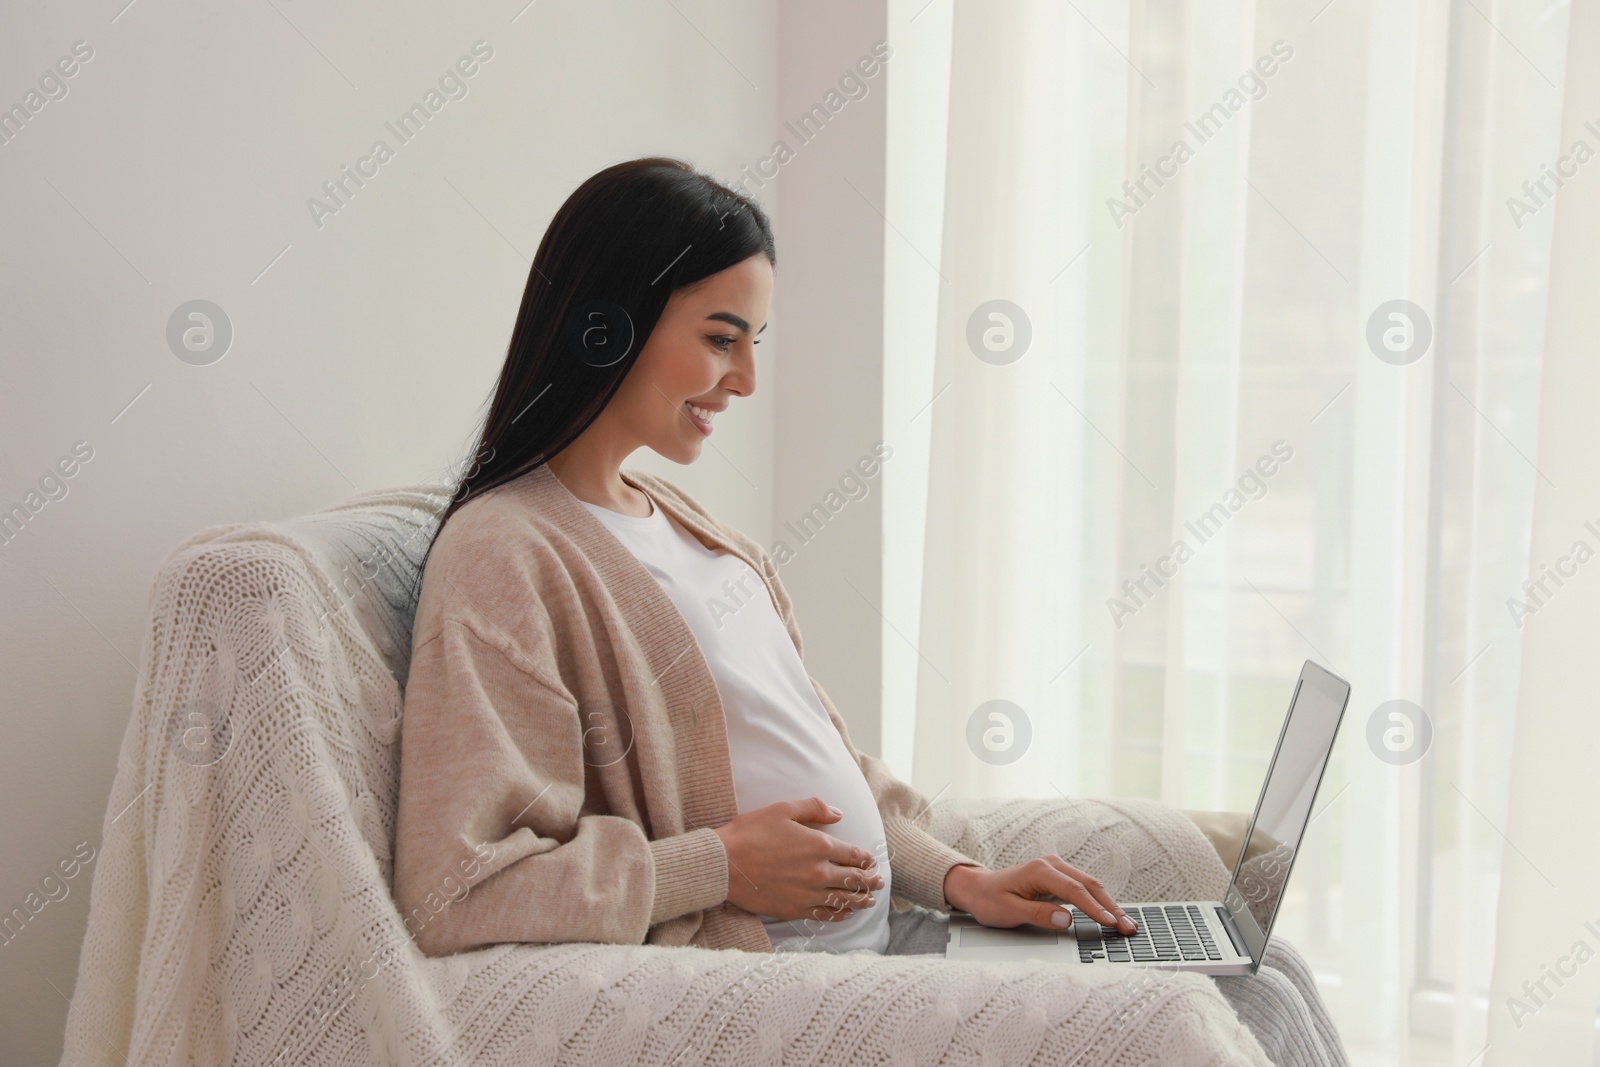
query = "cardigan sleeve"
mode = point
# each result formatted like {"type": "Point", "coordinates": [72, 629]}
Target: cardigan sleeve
{"type": "Point", "coordinates": [491, 843]}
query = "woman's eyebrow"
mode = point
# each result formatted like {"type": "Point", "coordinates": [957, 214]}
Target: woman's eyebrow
{"type": "Point", "coordinates": [733, 320]}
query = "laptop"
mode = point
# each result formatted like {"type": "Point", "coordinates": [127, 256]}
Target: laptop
{"type": "Point", "coordinates": [1207, 936]}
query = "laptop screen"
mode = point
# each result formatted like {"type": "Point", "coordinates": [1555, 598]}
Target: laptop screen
{"type": "Point", "coordinates": [1285, 805]}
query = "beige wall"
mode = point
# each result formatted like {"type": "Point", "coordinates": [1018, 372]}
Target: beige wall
{"type": "Point", "coordinates": [178, 165]}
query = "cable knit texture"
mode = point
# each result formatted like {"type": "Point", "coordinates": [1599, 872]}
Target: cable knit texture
{"type": "Point", "coordinates": [242, 910]}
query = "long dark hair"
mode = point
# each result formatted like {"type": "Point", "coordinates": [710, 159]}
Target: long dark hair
{"type": "Point", "coordinates": [623, 242]}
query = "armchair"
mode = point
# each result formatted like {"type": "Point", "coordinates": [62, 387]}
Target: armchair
{"type": "Point", "coordinates": [241, 908]}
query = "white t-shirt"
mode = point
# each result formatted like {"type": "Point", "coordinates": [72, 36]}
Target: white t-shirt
{"type": "Point", "coordinates": [782, 744]}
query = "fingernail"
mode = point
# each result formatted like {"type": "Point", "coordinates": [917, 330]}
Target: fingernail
{"type": "Point", "coordinates": [1107, 918]}
{"type": "Point", "coordinates": [835, 811]}
{"type": "Point", "coordinates": [1062, 917]}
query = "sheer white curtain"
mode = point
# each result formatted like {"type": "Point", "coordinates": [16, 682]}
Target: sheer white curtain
{"type": "Point", "coordinates": [1549, 901]}
{"type": "Point", "coordinates": [1161, 434]}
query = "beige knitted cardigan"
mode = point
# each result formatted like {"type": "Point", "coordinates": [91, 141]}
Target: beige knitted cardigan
{"type": "Point", "coordinates": [564, 758]}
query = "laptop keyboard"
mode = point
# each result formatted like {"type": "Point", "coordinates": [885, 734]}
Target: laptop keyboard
{"type": "Point", "coordinates": [1167, 933]}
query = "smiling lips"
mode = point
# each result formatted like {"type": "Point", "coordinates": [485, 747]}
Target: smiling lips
{"type": "Point", "coordinates": [701, 416]}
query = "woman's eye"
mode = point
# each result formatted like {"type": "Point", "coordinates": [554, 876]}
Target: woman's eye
{"type": "Point", "coordinates": [723, 342]}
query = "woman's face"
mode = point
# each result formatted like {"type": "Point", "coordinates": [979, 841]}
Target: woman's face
{"type": "Point", "coordinates": [701, 352]}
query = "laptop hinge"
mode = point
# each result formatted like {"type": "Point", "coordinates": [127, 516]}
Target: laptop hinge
{"type": "Point", "coordinates": [1226, 919]}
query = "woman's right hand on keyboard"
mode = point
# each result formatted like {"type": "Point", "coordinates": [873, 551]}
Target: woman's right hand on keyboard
{"type": "Point", "coordinates": [779, 867]}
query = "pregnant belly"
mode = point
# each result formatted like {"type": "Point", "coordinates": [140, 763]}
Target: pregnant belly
{"type": "Point", "coordinates": [842, 785]}
{"type": "Point", "coordinates": [758, 783]}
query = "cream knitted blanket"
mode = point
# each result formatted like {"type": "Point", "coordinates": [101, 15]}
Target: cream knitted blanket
{"type": "Point", "coordinates": [241, 913]}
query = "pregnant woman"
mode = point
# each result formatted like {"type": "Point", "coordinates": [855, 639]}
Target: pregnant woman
{"type": "Point", "coordinates": [609, 734]}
